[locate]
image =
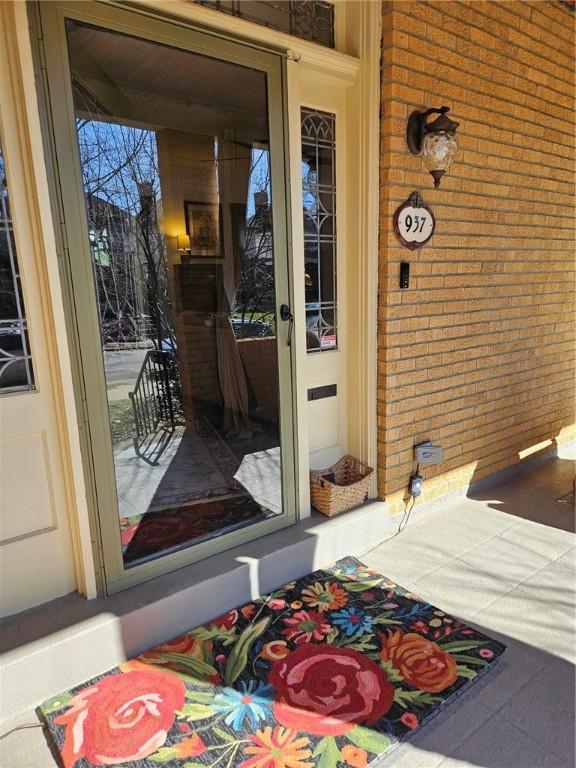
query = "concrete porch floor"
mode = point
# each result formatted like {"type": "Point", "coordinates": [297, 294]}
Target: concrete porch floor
{"type": "Point", "coordinates": [503, 559]}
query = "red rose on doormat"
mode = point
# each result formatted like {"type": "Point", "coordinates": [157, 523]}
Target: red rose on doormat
{"type": "Point", "coordinates": [182, 644]}
{"type": "Point", "coordinates": [327, 690]}
{"type": "Point", "coordinates": [121, 718]}
{"type": "Point", "coordinates": [173, 655]}
{"type": "Point", "coordinates": [421, 662]}
{"type": "Point", "coordinates": [227, 620]}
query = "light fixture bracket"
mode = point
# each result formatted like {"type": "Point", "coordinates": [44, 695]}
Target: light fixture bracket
{"type": "Point", "coordinates": [418, 126]}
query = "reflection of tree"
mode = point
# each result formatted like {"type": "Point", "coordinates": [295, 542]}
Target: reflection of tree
{"type": "Point", "coordinates": [153, 252]}
{"type": "Point", "coordinates": [121, 182]}
{"type": "Point", "coordinates": [255, 299]}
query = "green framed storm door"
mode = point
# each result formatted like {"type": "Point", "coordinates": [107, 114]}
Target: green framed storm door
{"type": "Point", "coordinates": [170, 148]}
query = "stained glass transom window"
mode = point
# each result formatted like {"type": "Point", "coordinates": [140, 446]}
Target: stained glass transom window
{"type": "Point", "coordinates": [319, 203]}
{"type": "Point", "coordinates": [308, 19]}
{"type": "Point", "coordinates": [15, 361]}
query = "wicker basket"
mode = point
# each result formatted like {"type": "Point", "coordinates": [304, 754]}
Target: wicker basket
{"type": "Point", "coordinates": [340, 487]}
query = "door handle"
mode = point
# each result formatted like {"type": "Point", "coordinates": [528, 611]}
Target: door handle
{"type": "Point", "coordinates": [287, 316]}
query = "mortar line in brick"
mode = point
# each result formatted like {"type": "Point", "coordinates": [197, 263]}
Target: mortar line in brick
{"type": "Point", "coordinates": [455, 432]}
{"type": "Point", "coordinates": [487, 361]}
{"type": "Point", "coordinates": [404, 46]}
{"type": "Point", "coordinates": [437, 377]}
{"type": "Point", "coordinates": [402, 188]}
{"type": "Point", "coordinates": [389, 203]}
{"type": "Point", "coordinates": [493, 344]}
{"type": "Point", "coordinates": [495, 112]}
{"type": "Point", "coordinates": [448, 441]}
{"type": "Point", "coordinates": [491, 369]}
{"type": "Point", "coordinates": [469, 396]}
{"type": "Point", "coordinates": [419, 180]}
{"type": "Point", "coordinates": [521, 26]}
{"type": "Point", "coordinates": [432, 397]}
{"type": "Point", "coordinates": [539, 57]}
{"type": "Point", "coordinates": [459, 462]}
{"type": "Point", "coordinates": [470, 331]}
{"type": "Point", "coordinates": [546, 7]}
{"type": "Point", "coordinates": [458, 411]}
{"type": "Point", "coordinates": [525, 170]}
{"type": "Point", "coordinates": [449, 438]}
{"type": "Point", "coordinates": [397, 199]}
{"type": "Point", "coordinates": [568, 241]}
{"type": "Point", "coordinates": [446, 9]}
{"type": "Point", "coordinates": [449, 315]}
{"type": "Point", "coordinates": [503, 175]}
{"type": "Point", "coordinates": [461, 416]}
{"type": "Point", "coordinates": [500, 414]}
{"type": "Point", "coordinates": [455, 262]}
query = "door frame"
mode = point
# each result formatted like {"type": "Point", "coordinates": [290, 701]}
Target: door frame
{"type": "Point", "coordinates": [98, 460]}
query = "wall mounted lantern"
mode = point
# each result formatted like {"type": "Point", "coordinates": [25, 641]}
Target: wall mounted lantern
{"type": "Point", "coordinates": [435, 141]}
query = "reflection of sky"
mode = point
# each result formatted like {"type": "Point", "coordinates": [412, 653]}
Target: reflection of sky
{"type": "Point", "coordinates": [308, 198]}
{"type": "Point", "coordinates": [2, 174]}
{"type": "Point", "coordinates": [259, 178]}
{"type": "Point", "coordinates": [116, 158]}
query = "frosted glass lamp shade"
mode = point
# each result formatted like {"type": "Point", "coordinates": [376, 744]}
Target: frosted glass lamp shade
{"type": "Point", "coordinates": [438, 150]}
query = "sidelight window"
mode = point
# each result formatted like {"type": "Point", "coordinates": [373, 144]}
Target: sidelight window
{"type": "Point", "coordinates": [319, 204]}
{"type": "Point", "coordinates": [16, 372]}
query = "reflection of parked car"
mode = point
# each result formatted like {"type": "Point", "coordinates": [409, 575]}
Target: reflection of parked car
{"type": "Point", "coordinates": [168, 345]}
{"type": "Point", "coordinates": [250, 329]}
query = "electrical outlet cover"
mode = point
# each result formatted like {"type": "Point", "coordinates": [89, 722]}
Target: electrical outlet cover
{"type": "Point", "coordinates": [426, 453]}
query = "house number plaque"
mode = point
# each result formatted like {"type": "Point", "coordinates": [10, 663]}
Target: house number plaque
{"type": "Point", "coordinates": [414, 222]}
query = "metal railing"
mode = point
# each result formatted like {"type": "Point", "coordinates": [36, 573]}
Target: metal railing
{"type": "Point", "coordinates": [152, 406]}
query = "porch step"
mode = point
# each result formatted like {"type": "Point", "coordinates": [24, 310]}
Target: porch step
{"type": "Point", "coordinates": [67, 641]}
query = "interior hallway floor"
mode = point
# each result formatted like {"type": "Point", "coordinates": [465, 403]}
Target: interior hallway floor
{"type": "Point", "coordinates": [504, 560]}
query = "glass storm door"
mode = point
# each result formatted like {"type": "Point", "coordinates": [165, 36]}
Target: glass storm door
{"type": "Point", "coordinates": [173, 189]}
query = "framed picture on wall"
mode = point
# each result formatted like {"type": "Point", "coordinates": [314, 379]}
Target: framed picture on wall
{"type": "Point", "coordinates": [203, 229]}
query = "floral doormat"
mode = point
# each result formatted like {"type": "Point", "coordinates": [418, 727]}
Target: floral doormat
{"type": "Point", "coordinates": [331, 670]}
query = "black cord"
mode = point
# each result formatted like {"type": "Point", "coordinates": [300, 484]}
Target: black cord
{"type": "Point", "coordinates": [23, 727]}
{"type": "Point", "coordinates": [406, 516]}
{"type": "Point", "coordinates": [403, 522]}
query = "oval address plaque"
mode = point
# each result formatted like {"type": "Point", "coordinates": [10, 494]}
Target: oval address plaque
{"type": "Point", "coordinates": [414, 222]}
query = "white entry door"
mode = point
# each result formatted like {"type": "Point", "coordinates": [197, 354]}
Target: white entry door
{"type": "Point", "coordinates": [36, 560]}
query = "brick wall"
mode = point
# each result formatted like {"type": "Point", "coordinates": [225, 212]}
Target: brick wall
{"type": "Point", "coordinates": [195, 304]}
{"type": "Point", "coordinates": [186, 172]}
{"type": "Point", "coordinates": [478, 353]}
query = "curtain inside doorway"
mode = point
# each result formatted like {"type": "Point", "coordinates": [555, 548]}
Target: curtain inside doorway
{"type": "Point", "coordinates": [233, 164]}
